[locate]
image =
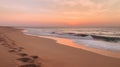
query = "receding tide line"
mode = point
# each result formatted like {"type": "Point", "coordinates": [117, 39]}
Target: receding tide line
{"type": "Point", "coordinates": [69, 42]}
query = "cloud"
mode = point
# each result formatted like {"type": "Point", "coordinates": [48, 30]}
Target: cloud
{"type": "Point", "coordinates": [62, 10]}
{"type": "Point", "coordinates": [60, 6]}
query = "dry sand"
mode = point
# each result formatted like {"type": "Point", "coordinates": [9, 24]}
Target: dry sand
{"type": "Point", "coordinates": [51, 53]}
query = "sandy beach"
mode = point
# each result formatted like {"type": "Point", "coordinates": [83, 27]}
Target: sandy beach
{"type": "Point", "coordinates": [43, 52]}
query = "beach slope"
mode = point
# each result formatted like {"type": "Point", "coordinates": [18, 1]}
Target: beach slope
{"type": "Point", "coordinates": [53, 54]}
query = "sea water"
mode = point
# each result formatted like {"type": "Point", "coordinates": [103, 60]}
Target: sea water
{"type": "Point", "coordinates": [100, 38]}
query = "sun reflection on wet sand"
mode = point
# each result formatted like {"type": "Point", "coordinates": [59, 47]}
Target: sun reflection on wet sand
{"type": "Point", "coordinates": [69, 42]}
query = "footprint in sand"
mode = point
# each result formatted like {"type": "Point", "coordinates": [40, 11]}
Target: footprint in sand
{"type": "Point", "coordinates": [15, 50]}
{"type": "Point", "coordinates": [26, 60]}
{"type": "Point", "coordinates": [12, 50]}
{"type": "Point", "coordinates": [32, 61]}
{"type": "Point", "coordinates": [22, 54]}
{"type": "Point", "coordinates": [35, 57]}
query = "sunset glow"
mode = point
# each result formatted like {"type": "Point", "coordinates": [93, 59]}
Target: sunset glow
{"type": "Point", "coordinates": [60, 12]}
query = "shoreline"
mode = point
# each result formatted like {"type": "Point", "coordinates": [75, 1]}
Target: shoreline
{"type": "Point", "coordinates": [53, 54]}
{"type": "Point", "coordinates": [83, 39]}
{"type": "Point", "coordinates": [65, 41]}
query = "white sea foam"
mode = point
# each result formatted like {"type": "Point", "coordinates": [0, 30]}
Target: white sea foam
{"type": "Point", "coordinates": [99, 44]}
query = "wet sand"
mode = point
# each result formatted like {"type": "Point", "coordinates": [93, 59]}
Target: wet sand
{"type": "Point", "coordinates": [69, 42]}
{"type": "Point", "coordinates": [50, 53]}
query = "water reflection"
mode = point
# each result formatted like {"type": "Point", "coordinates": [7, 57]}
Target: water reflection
{"type": "Point", "coordinates": [69, 42]}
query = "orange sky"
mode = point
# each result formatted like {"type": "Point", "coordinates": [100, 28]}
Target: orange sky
{"type": "Point", "coordinates": [60, 12]}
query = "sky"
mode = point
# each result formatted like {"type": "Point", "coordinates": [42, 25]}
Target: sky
{"type": "Point", "coordinates": [60, 13]}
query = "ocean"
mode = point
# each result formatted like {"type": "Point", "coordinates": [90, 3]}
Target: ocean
{"type": "Point", "coordinates": [99, 38]}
